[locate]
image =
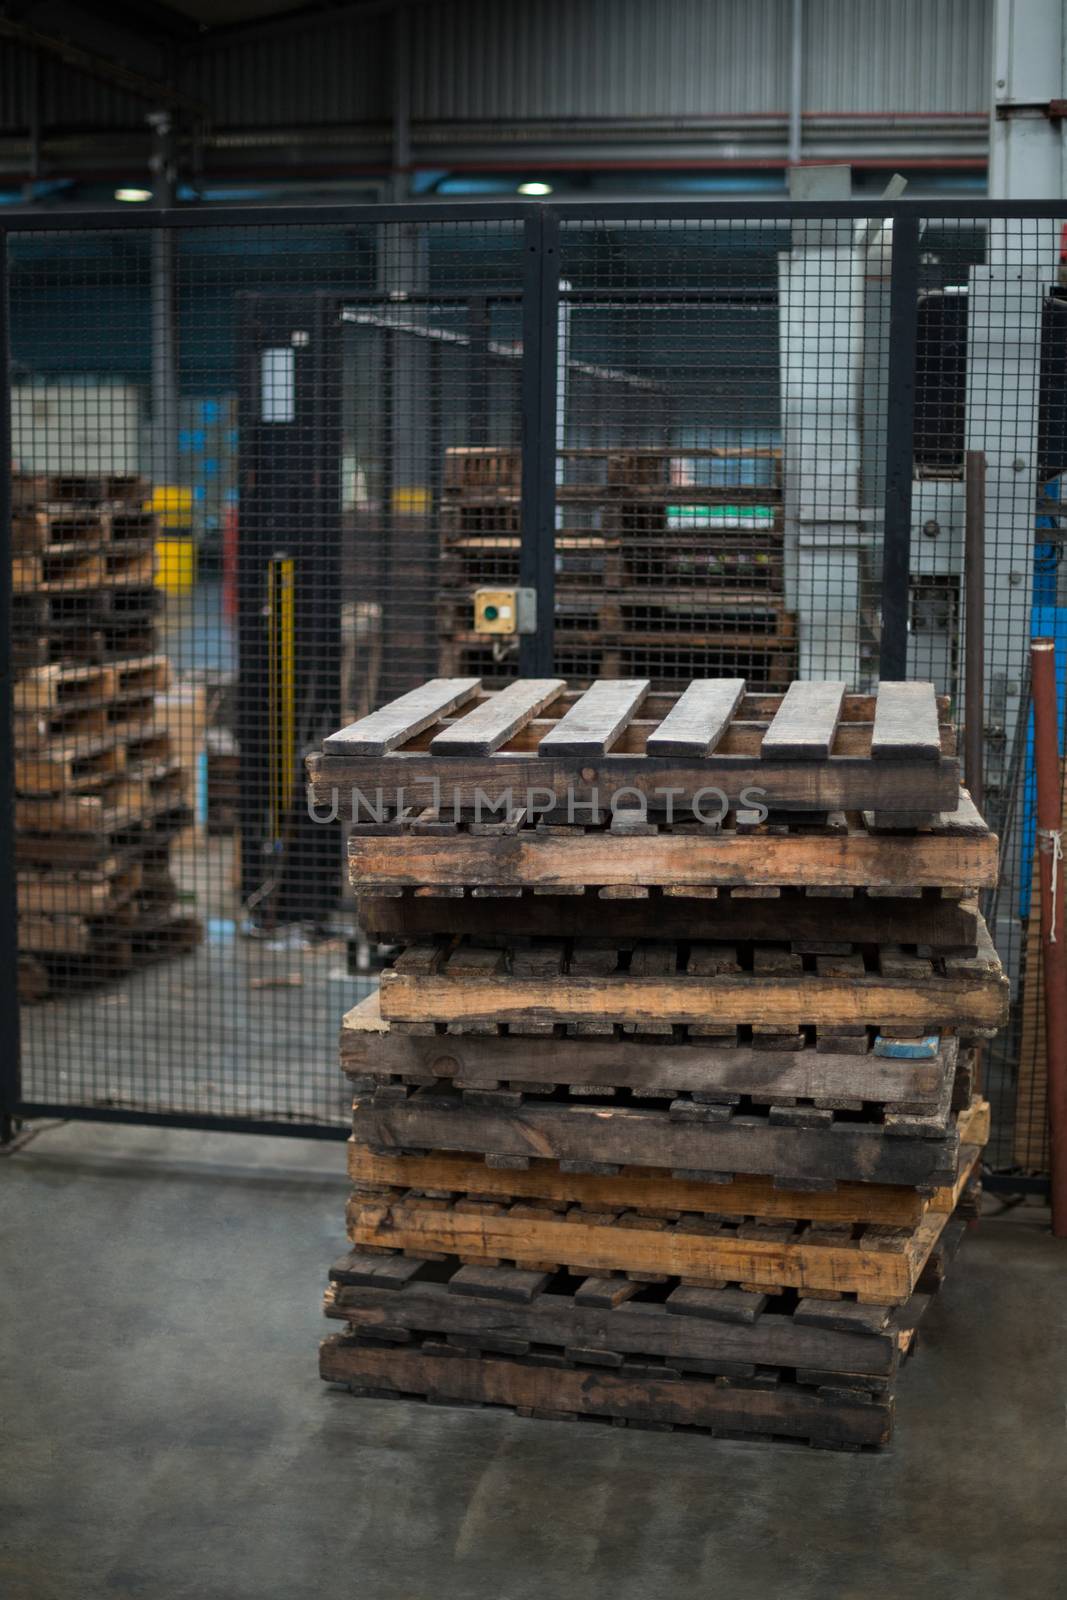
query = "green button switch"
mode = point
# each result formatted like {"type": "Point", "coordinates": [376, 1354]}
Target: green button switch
{"type": "Point", "coordinates": [491, 613]}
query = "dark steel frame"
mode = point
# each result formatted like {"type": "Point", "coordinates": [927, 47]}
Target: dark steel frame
{"type": "Point", "coordinates": [541, 295]}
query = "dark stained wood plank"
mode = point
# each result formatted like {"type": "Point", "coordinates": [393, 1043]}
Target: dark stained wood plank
{"type": "Point", "coordinates": [804, 725]}
{"type": "Point", "coordinates": [698, 720]}
{"type": "Point", "coordinates": [551, 1390]}
{"type": "Point", "coordinates": [628, 1136]}
{"type": "Point", "coordinates": [594, 723]}
{"type": "Point", "coordinates": [906, 723]}
{"type": "Point", "coordinates": [935, 922]}
{"type": "Point", "coordinates": [498, 1283]}
{"type": "Point", "coordinates": [717, 1305]}
{"type": "Point", "coordinates": [724, 1325]}
{"type": "Point", "coordinates": [841, 783]}
{"type": "Point", "coordinates": [497, 719]}
{"type": "Point", "coordinates": [401, 719]}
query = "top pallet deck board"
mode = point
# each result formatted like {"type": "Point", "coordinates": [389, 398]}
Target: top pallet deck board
{"type": "Point", "coordinates": [905, 723]}
{"type": "Point", "coordinates": [805, 723]}
{"type": "Point", "coordinates": [823, 749]}
{"type": "Point", "coordinates": [498, 719]}
{"type": "Point", "coordinates": [403, 719]}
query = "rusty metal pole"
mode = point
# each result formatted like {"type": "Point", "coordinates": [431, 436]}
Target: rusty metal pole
{"type": "Point", "coordinates": [974, 628]}
{"type": "Point", "coordinates": [1053, 895]}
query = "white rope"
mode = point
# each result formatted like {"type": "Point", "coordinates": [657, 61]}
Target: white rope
{"type": "Point", "coordinates": [1052, 839]}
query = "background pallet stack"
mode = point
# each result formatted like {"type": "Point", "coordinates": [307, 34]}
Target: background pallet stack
{"type": "Point", "coordinates": [100, 796]}
{"type": "Point", "coordinates": [666, 1113]}
{"type": "Point", "coordinates": [668, 562]}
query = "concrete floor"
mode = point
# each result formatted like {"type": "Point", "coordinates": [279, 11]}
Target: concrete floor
{"type": "Point", "coordinates": [165, 1434]}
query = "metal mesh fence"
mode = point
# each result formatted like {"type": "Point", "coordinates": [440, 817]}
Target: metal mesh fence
{"type": "Point", "coordinates": [261, 468]}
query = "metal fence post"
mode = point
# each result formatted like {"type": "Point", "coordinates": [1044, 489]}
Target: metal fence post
{"type": "Point", "coordinates": [899, 446]}
{"type": "Point", "coordinates": [10, 1073]}
{"type": "Point", "coordinates": [540, 356]}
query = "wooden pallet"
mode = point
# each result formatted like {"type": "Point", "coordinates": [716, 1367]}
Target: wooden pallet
{"type": "Point", "coordinates": [70, 615]}
{"type": "Point", "coordinates": [159, 820]}
{"type": "Point", "coordinates": [799, 1146]}
{"type": "Point", "coordinates": [814, 748]}
{"type": "Point", "coordinates": [812, 923]}
{"type": "Point", "coordinates": [694, 985]}
{"type": "Point", "coordinates": [878, 1264]}
{"type": "Point", "coordinates": [796, 1152]}
{"type": "Point", "coordinates": [608, 1322]}
{"type": "Point", "coordinates": [835, 1072]}
{"type": "Point", "coordinates": [86, 765]}
{"type": "Point", "coordinates": [94, 892]}
{"type": "Point", "coordinates": [508, 849]}
{"type": "Point", "coordinates": [78, 490]}
{"type": "Point", "coordinates": [61, 734]}
{"type": "Point", "coordinates": [640, 1394]}
{"type": "Point", "coordinates": [733, 558]}
{"type": "Point", "coordinates": [658, 1191]}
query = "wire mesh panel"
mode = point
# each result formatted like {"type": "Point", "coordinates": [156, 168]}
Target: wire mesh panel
{"type": "Point", "coordinates": [236, 451]}
{"type": "Point", "coordinates": [719, 447]}
{"type": "Point", "coordinates": [270, 474]}
{"type": "Point", "coordinates": [990, 452]}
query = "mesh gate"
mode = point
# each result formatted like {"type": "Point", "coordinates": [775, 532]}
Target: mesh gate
{"type": "Point", "coordinates": [262, 464]}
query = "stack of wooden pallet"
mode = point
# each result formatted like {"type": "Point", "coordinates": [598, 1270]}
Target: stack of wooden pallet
{"type": "Point", "coordinates": [667, 563]}
{"type": "Point", "coordinates": [666, 1111]}
{"type": "Point", "coordinates": [99, 795]}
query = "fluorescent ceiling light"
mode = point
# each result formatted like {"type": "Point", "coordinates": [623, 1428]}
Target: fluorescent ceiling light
{"type": "Point", "coordinates": [133, 194]}
{"type": "Point", "coordinates": [535, 188]}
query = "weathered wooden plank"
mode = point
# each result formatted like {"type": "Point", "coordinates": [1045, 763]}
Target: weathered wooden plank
{"type": "Point", "coordinates": [630, 1136]}
{"type": "Point", "coordinates": [935, 923]}
{"type": "Point", "coordinates": [401, 719]}
{"type": "Point", "coordinates": [906, 723]}
{"type": "Point", "coordinates": [885, 1271]}
{"type": "Point", "coordinates": [841, 783]}
{"type": "Point", "coordinates": [594, 723]}
{"type": "Point", "coordinates": [652, 1188]}
{"type": "Point", "coordinates": [642, 1328]}
{"type": "Point", "coordinates": [553, 1391]}
{"type": "Point", "coordinates": [698, 719]}
{"type": "Point", "coordinates": [976, 996]}
{"type": "Point", "coordinates": [804, 725]}
{"type": "Point", "coordinates": [656, 1189]}
{"type": "Point", "coordinates": [726, 860]}
{"type": "Point", "coordinates": [495, 1283]}
{"type": "Point", "coordinates": [498, 718]}
{"type": "Point", "coordinates": [370, 1046]}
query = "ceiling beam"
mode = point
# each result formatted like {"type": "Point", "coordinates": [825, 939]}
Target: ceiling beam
{"type": "Point", "coordinates": [150, 21]}
{"type": "Point", "coordinates": [154, 90]}
{"type": "Point", "coordinates": [301, 20]}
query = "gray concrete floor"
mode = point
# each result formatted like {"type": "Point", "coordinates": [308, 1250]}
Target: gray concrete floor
{"type": "Point", "coordinates": [165, 1434]}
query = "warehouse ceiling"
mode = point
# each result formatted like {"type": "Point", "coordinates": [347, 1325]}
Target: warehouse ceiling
{"type": "Point", "coordinates": [212, 14]}
{"type": "Point", "coordinates": [277, 99]}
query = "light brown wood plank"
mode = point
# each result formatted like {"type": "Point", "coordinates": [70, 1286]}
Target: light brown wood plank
{"type": "Point", "coordinates": [885, 1276]}
{"type": "Point", "coordinates": [724, 860]}
{"type": "Point", "coordinates": [653, 1188]}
